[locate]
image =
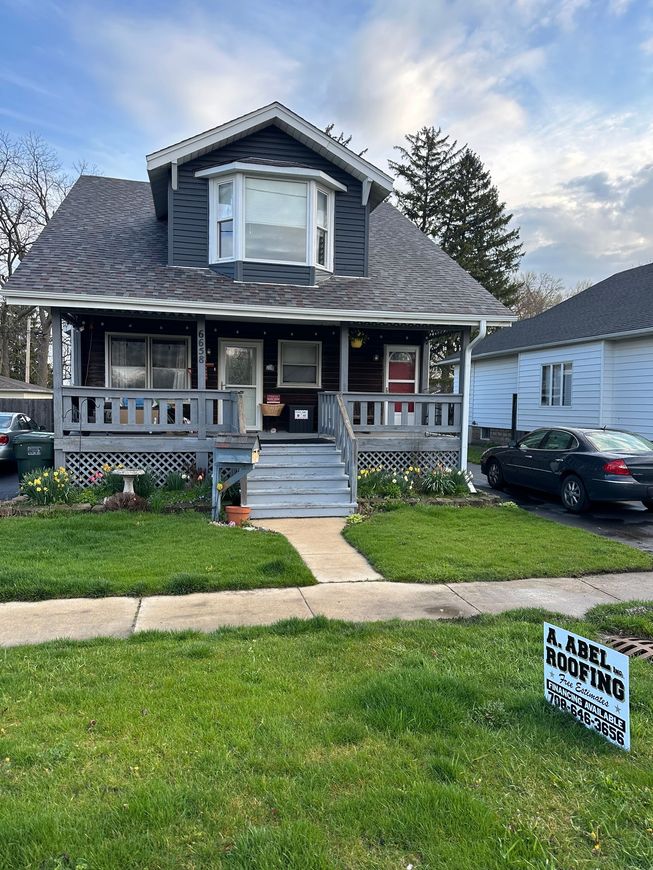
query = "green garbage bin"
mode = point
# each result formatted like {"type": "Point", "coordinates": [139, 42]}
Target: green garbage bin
{"type": "Point", "coordinates": [33, 450]}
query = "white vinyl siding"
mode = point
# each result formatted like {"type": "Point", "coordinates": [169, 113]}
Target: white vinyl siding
{"type": "Point", "coordinates": [628, 399]}
{"type": "Point", "coordinates": [492, 384]}
{"type": "Point", "coordinates": [585, 407]}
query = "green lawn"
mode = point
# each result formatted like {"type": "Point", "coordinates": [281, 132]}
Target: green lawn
{"type": "Point", "coordinates": [138, 554]}
{"type": "Point", "coordinates": [446, 544]}
{"type": "Point", "coordinates": [315, 746]}
{"type": "Point", "coordinates": [475, 451]}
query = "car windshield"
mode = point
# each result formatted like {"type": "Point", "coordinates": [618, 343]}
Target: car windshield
{"type": "Point", "coordinates": [619, 442]}
{"type": "Point", "coordinates": [5, 421]}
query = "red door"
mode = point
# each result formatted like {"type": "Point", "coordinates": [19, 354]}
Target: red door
{"type": "Point", "coordinates": [401, 375]}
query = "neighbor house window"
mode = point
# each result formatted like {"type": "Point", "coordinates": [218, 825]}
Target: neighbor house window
{"type": "Point", "coordinates": [556, 384]}
{"type": "Point", "coordinates": [485, 433]}
{"type": "Point", "coordinates": [275, 219]}
{"type": "Point", "coordinates": [148, 362]}
{"type": "Point", "coordinates": [300, 364]}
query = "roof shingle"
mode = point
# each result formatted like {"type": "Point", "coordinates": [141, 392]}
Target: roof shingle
{"type": "Point", "coordinates": [106, 241]}
{"type": "Point", "coordinates": [621, 303]}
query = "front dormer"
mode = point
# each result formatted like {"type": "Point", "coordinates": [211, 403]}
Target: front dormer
{"type": "Point", "coordinates": [267, 198]}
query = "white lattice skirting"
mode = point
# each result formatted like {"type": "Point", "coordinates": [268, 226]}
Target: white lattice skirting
{"type": "Point", "coordinates": [400, 460]}
{"type": "Point", "coordinates": [83, 465]}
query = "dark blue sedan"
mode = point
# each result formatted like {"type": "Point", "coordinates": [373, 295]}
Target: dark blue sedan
{"type": "Point", "coordinates": [579, 465]}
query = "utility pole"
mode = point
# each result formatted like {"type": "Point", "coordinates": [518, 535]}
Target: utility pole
{"type": "Point", "coordinates": [28, 349]}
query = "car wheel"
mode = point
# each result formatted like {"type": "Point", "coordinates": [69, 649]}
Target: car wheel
{"type": "Point", "coordinates": [574, 495]}
{"type": "Point", "coordinates": [495, 475]}
{"type": "Point", "coordinates": [648, 504]}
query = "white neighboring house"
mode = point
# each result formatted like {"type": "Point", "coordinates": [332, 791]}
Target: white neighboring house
{"type": "Point", "coordinates": [586, 362]}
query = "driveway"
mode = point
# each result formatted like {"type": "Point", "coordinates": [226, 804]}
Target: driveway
{"type": "Point", "coordinates": [628, 522]}
{"type": "Point", "coordinates": [8, 480]}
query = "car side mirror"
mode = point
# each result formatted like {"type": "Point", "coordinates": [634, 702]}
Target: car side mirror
{"type": "Point", "coordinates": [512, 443]}
{"type": "Point", "coordinates": [41, 428]}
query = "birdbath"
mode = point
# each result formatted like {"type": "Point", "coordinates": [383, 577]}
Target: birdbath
{"type": "Point", "coordinates": [128, 475]}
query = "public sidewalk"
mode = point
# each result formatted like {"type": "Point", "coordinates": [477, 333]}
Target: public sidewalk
{"type": "Point", "coordinates": [83, 618]}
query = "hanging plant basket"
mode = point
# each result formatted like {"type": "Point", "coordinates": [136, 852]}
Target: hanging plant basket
{"type": "Point", "coordinates": [357, 339]}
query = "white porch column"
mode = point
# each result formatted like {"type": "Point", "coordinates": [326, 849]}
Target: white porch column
{"type": "Point", "coordinates": [464, 385]}
{"type": "Point", "coordinates": [57, 385]}
{"type": "Point", "coordinates": [425, 366]}
{"type": "Point", "coordinates": [344, 359]}
{"type": "Point", "coordinates": [202, 457]}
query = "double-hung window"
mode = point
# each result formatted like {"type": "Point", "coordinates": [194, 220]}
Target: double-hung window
{"type": "Point", "coordinates": [225, 221]}
{"type": "Point", "coordinates": [300, 364]}
{"type": "Point", "coordinates": [148, 362]}
{"type": "Point", "coordinates": [556, 384]}
{"type": "Point", "coordinates": [322, 230]}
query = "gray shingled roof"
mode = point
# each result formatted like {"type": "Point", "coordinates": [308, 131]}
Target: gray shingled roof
{"type": "Point", "coordinates": [106, 241]}
{"type": "Point", "coordinates": [22, 386]}
{"type": "Point", "coordinates": [621, 303]}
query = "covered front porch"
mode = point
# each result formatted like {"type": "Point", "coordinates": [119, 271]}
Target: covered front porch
{"type": "Point", "coordinates": [157, 389]}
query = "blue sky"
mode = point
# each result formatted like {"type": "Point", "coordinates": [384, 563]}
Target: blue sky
{"type": "Point", "coordinates": [555, 95]}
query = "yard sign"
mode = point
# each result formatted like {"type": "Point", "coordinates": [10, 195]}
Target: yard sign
{"type": "Point", "coordinates": [588, 680]}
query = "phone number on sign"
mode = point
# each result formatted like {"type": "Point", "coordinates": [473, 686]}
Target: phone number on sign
{"type": "Point", "coordinates": [591, 720]}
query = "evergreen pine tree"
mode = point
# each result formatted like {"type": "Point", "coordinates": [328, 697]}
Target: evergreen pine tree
{"type": "Point", "coordinates": [475, 229]}
{"type": "Point", "coordinates": [425, 167]}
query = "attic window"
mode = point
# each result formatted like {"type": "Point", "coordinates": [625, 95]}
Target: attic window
{"type": "Point", "coordinates": [271, 219]}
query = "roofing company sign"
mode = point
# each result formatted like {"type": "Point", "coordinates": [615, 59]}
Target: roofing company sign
{"type": "Point", "coordinates": [589, 681]}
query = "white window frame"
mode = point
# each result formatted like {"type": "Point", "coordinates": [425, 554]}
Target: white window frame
{"type": "Point", "coordinates": [546, 384]}
{"type": "Point", "coordinates": [149, 337]}
{"type": "Point", "coordinates": [238, 180]}
{"type": "Point", "coordinates": [280, 382]}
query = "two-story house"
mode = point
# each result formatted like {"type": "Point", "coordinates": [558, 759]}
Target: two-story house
{"type": "Point", "coordinates": [260, 281]}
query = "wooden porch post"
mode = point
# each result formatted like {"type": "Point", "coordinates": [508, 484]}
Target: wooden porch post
{"type": "Point", "coordinates": [57, 385]}
{"type": "Point", "coordinates": [344, 359]}
{"type": "Point", "coordinates": [201, 458]}
{"type": "Point", "coordinates": [463, 389]}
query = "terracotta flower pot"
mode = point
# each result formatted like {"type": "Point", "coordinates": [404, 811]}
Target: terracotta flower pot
{"type": "Point", "coordinates": [237, 514]}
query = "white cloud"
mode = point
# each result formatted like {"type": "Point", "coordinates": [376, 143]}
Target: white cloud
{"type": "Point", "coordinates": [179, 76]}
{"type": "Point", "coordinates": [488, 71]}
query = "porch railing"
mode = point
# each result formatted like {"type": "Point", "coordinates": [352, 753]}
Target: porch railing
{"type": "Point", "coordinates": [334, 421]}
{"type": "Point", "coordinates": [437, 412]}
{"type": "Point", "coordinates": [107, 410]}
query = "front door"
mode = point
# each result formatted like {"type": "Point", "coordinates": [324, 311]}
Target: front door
{"type": "Point", "coordinates": [241, 368]}
{"type": "Point", "coordinates": [401, 376]}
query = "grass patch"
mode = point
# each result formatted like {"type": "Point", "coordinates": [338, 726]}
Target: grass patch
{"type": "Point", "coordinates": [315, 746]}
{"type": "Point", "coordinates": [433, 544]}
{"type": "Point", "coordinates": [475, 451]}
{"type": "Point", "coordinates": [94, 555]}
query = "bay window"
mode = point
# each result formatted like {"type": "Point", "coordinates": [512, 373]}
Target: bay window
{"type": "Point", "coordinates": [148, 362]}
{"type": "Point", "coordinates": [300, 364]}
{"type": "Point", "coordinates": [267, 217]}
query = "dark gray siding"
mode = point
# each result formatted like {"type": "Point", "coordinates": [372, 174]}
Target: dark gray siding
{"type": "Point", "coordinates": [276, 274]}
{"type": "Point", "coordinates": [190, 202]}
{"type": "Point", "coordinates": [226, 269]}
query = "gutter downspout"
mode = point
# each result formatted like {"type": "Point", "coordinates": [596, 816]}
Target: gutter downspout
{"type": "Point", "coordinates": [467, 379]}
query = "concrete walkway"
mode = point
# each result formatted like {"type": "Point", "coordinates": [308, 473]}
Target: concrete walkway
{"type": "Point", "coordinates": [82, 618]}
{"type": "Point", "coordinates": [320, 544]}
